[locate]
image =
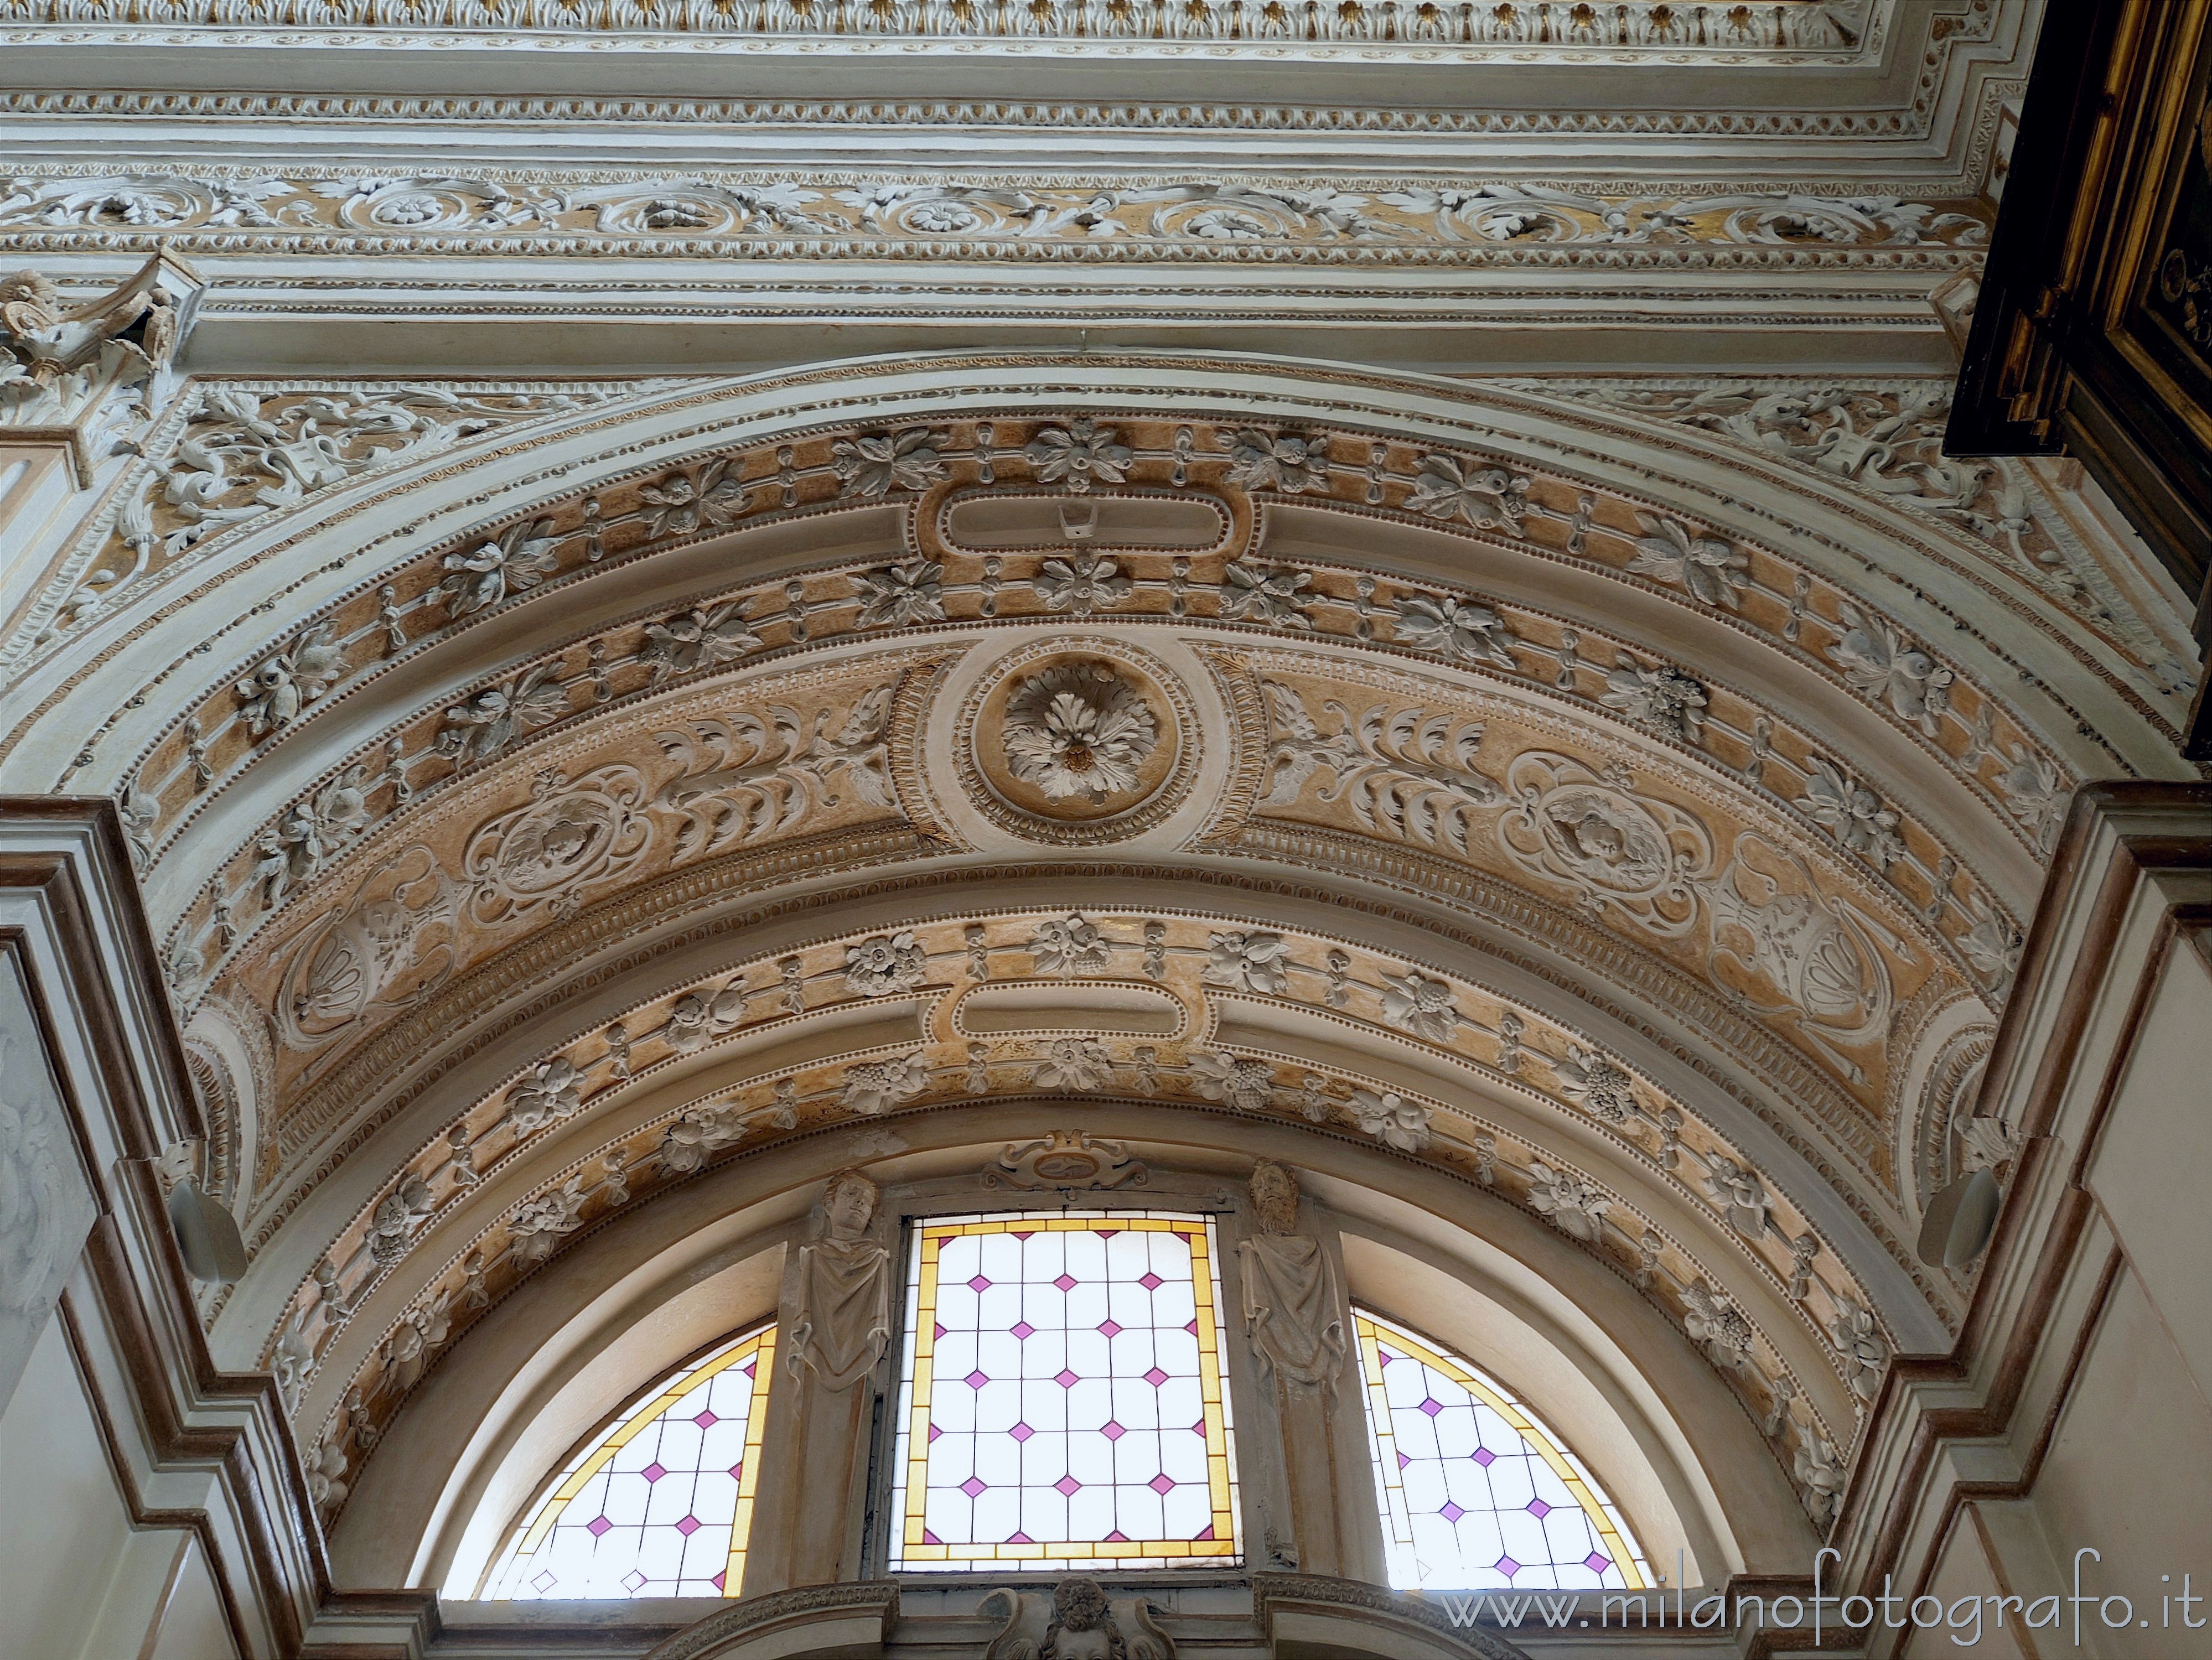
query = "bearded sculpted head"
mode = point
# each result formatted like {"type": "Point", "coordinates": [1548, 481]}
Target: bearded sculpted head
{"type": "Point", "coordinates": [1274, 1197]}
{"type": "Point", "coordinates": [849, 1203]}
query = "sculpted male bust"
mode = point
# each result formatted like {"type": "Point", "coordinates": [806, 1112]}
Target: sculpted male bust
{"type": "Point", "coordinates": [842, 1316]}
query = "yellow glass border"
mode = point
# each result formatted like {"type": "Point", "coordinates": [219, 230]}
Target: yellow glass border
{"type": "Point", "coordinates": [930, 1239]}
{"type": "Point", "coordinates": [760, 1343]}
{"type": "Point", "coordinates": [1596, 1507]}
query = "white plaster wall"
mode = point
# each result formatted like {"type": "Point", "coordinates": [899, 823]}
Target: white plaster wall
{"type": "Point", "coordinates": [77, 1581]}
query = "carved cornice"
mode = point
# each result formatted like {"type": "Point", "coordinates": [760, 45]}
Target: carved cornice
{"type": "Point", "coordinates": [1838, 33]}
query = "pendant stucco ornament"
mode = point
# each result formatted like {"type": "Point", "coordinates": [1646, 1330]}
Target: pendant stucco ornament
{"type": "Point", "coordinates": [1077, 741]}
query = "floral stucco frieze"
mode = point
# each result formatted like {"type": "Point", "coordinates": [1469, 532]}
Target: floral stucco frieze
{"type": "Point", "coordinates": [1515, 1053]}
{"type": "Point", "coordinates": [1472, 224]}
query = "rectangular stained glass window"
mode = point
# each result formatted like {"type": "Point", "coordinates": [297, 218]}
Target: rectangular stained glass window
{"type": "Point", "coordinates": [659, 1502]}
{"type": "Point", "coordinates": [1477, 1491]}
{"type": "Point", "coordinates": [1065, 1398]}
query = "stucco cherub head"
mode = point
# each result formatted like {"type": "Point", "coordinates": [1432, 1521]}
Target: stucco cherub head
{"type": "Point", "coordinates": [1082, 1623]}
{"type": "Point", "coordinates": [848, 1203]}
{"type": "Point", "coordinates": [1274, 1197]}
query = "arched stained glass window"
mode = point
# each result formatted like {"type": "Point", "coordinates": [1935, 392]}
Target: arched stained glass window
{"type": "Point", "coordinates": [659, 1502]}
{"type": "Point", "coordinates": [1477, 1491]}
{"type": "Point", "coordinates": [1065, 1404]}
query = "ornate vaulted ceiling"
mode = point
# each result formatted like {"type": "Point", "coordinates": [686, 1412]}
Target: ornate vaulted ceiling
{"type": "Point", "coordinates": [552, 798]}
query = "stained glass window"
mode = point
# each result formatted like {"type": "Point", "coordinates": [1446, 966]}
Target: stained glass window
{"type": "Point", "coordinates": [1477, 1491]}
{"type": "Point", "coordinates": [657, 1503]}
{"type": "Point", "coordinates": [1065, 1402]}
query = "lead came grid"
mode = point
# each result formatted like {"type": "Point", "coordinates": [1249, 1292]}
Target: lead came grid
{"type": "Point", "coordinates": [1065, 1399]}
{"type": "Point", "coordinates": [661, 1503]}
{"type": "Point", "coordinates": [1477, 1492]}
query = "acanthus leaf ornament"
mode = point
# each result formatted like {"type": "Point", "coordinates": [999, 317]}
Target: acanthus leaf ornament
{"type": "Point", "coordinates": [1079, 729]}
{"type": "Point", "coordinates": [739, 782]}
{"type": "Point", "coordinates": [1411, 774]}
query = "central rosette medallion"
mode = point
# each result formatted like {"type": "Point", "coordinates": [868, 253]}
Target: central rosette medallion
{"type": "Point", "coordinates": [1079, 729]}
{"type": "Point", "coordinates": [1078, 740]}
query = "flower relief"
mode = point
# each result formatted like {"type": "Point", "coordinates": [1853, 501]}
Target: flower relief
{"type": "Point", "coordinates": [538, 1227]}
{"type": "Point", "coordinates": [885, 965]}
{"type": "Point", "coordinates": [1716, 1323]}
{"type": "Point", "coordinates": [1074, 1063]}
{"type": "Point", "coordinates": [1488, 498]}
{"type": "Point", "coordinates": [1082, 453]}
{"type": "Point", "coordinates": [1738, 1194]}
{"type": "Point", "coordinates": [1852, 813]}
{"type": "Point", "coordinates": [1285, 462]}
{"type": "Point", "coordinates": [1602, 1089]}
{"type": "Point", "coordinates": [903, 594]}
{"type": "Point", "coordinates": [1070, 944]}
{"type": "Point", "coordinates": [1245, 1084]}
{"type": "Point", "coordinates": [553, 1090]}
{"type": "Point", "coordinates": [1413, 1002]}
{"type": "Point", "coordinates": [308, 835]}
{"type": "Point", "coordinates": [1249, 594]}
{"type": "Point", "coordinates": [1250, 962]}
{"type": "Point", "coordinates": [1391, 1119]}
{"type": "Point", "coordinates": [1575, 1206]}
{"type": "Point", "coordinates": [1088, 582]}
{"type": "Point", "coordinates": [1079, 729]}
{"type": "Point", "coordinates": [874, 465]}
{"type": "Point", "coordinates": [1455, 629]}
{"type": "Point", "coordinates": [480, 727]}
{"type": "Point", "coordinates": [700, 639]}
{"type": "Point", "coordinates": [682, 503]}
{"type": "Point", "coordinates": [1887, 668]}
{"type": "Point", "coordinates": [284, 684]}
{"type": "Point", "coordinates": [874, 1087]}
{"type": "Point", "coordinates": [1709, 568]}
{"type": "Point", "coordinates": [515, 563]}
{"type": "Point", "coordinates": [1663, 698]}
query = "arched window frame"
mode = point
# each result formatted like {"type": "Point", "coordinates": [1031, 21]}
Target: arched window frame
{"type": "Point", "coordinates": [1373, 1333]}
{"type": "Point", "coordinates": [543, 1516]}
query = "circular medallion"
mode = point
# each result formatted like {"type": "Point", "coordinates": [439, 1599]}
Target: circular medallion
{"type": "Point", "coordinates": [1073, 741]}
